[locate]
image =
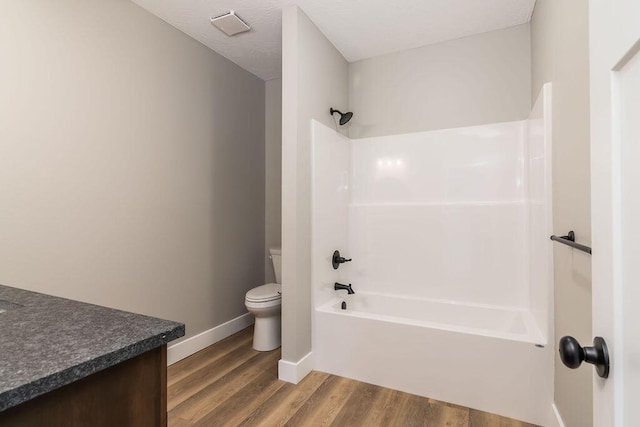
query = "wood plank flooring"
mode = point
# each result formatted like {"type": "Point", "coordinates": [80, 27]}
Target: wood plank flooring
{"type": "Point", "coordinates": [230, 384]}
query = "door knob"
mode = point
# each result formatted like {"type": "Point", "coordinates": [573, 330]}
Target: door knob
{"type": "Point", "coordinates": [572, 354]}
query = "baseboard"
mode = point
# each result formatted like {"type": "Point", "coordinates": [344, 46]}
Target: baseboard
{"type": "Point", "coordinates": [556, 419]}
{"type": "Point", "coordinates": [294, 372]}
{"type": "Point", "coordinates": [204, 339]}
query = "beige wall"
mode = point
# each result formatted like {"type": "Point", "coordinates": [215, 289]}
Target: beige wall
{"type": "Point", "coordinates": [314, 77]}
{"type": "Point", "coordinates": [273, 171]}
{"type": "Point", "coordinates": [560, 54]}
{"type": "Point", "coordinates": [132, 166]}
{"type": "Point", "coordinates": [474, 80]}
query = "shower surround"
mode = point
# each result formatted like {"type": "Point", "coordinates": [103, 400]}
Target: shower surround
{"type": "Point", "coordinates": [452, 267]}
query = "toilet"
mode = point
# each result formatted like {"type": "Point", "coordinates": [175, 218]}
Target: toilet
{"type": "Point", "coordinates": [264, 303]}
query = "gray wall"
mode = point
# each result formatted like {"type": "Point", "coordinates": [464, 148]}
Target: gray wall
{"type": "Point", "coordinates": [273, 172]}
{"type": "Point", "coordinates": [560, 54]}
{"type": "Point", "coordinates": [132, 167]}
{"type": "Point", "coordinates": [315, 76]}
{"type": "Point", "coordinates": [485, 78]}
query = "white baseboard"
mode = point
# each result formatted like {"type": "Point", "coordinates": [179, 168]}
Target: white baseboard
{"type": "Point", "coordinates": [204, 339]}
{"type": "Point", "coordinates": [294, 372]}
{"type": "Point", "coordinates": [556, 419]}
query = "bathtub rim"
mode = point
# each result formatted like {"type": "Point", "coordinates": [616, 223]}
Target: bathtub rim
{"type": "Point", "coordinates": [534, 334]}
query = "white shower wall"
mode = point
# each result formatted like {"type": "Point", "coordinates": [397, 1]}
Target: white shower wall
{"type": "Point", "coordinates": [539, 211]}
{"type": "Point", "coordinates": [460, 215]}
{"type": "Point", "coordinates": [330, 168]}
{"type": "Point", "coordinates": [442, 215]}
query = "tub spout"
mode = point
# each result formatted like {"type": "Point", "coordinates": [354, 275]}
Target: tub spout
{"type": "Point", "coordinates": [339, 286]}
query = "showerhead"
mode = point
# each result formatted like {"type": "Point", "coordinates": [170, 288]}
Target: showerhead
{"type": "Point", "coordinates": [344, 117]}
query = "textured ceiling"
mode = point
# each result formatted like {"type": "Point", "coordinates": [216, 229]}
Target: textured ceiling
{"type": "Point", "coordinates": [358, 28]}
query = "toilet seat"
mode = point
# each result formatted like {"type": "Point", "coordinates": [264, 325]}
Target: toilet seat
{"type": "Point", "coordinates": [265, 293]}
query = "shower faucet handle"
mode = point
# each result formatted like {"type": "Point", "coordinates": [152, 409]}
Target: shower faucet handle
{"type": "Point", "coordinates": [336, 260]}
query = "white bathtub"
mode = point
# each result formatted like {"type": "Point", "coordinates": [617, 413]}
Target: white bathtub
{"type": "Point", "coordinates": [478, 356]}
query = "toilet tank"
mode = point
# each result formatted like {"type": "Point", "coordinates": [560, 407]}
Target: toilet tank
{"type": "Point", "coordinates": [275, 258]}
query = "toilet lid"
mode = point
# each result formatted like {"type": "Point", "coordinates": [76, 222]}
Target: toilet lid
{"type": "Point", "coordinates": [264, 293]}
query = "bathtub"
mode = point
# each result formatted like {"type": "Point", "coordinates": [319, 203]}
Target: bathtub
{"type": "Point", "coordinates": [489, 358]}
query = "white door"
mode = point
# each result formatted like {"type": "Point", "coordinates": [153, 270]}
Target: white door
{"type": "Point", "coordinates": [614, 27]}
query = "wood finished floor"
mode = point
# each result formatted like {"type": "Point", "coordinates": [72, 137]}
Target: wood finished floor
{"type": "Point", "coordinates": [230, 384]}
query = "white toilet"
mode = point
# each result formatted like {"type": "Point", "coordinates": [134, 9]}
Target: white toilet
{"type": "Point", "coordinates": [264, 303]}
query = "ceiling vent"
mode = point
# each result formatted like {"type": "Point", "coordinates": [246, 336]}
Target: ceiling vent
{"type": "Point", "coordinates": [230, 24]}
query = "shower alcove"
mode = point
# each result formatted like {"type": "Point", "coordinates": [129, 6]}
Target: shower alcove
{"type": "Point", "coordinates": [452, 267]}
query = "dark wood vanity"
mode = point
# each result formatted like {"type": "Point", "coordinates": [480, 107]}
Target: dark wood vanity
{"type": "Point", "coordinates": [66, 363]}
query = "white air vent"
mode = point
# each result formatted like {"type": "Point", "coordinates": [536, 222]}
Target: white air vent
{"type": "Point", "coordinates": [230, 24]}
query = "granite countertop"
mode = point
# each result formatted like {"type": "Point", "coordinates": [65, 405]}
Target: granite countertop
{"type": "Point", "coordinates": [47, 342]}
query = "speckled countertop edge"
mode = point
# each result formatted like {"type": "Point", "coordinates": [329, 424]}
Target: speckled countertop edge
{"type": "Point", "coordinates": [24, 386]}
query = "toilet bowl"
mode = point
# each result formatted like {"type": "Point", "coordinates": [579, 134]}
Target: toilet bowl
{"type": "Point", "coordinates": [264, 303]}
